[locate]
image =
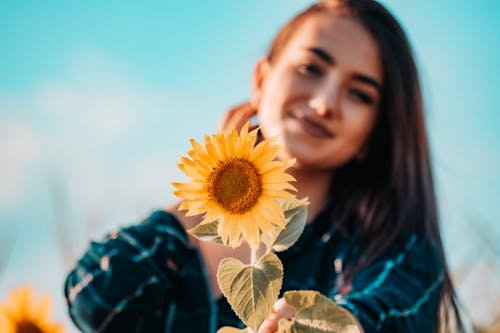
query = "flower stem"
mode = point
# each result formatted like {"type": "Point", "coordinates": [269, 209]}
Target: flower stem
{"type": "Point", "coordinates": [253, 256]}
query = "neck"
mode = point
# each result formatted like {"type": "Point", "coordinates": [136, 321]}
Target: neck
{"type": "Point", "coordinates": [315, 185]}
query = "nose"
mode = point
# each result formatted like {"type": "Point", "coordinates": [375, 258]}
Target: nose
{"type": "Point", "coordinates": [325, 102]}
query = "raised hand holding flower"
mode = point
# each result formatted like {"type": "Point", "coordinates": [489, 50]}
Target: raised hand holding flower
{"type": "Point", "coordinates": [244, 193]}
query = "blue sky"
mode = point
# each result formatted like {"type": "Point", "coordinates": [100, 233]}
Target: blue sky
{"type": "Point", "coordinates": [98, 100]}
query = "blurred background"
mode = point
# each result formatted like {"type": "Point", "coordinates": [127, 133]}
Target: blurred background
{"type": "Point", "coordinates": [99, 99]}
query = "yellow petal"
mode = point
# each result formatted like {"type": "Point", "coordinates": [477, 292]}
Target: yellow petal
{"type": "Point", "coordinates": [223, 230]}
{"type": "Point", "coordinates": [250, 227]}
{"type": "Point", "coordinates": [276, 178]}
{"type": "Point", "coordinates": [188, 186]}
{"type": "Point", "coordinates": [263, 149]}
{"type": "Point", "coordinates": [244, 129]}
{"type": "Point", "coordinates": [191, 192]}
{"type": "Point", "coordinates": [197, 209]}
{"type": "Point", "coordinates": [234, 230]}
{"type": "Point", "coordinates": [198, 159]}
{"type": "Point", "coordinates": [43, 310]}
{"type": "Point", "coordinates": [195, 164]}
{"type": "Point", "coordinates": [186, 195]}
{"type": "Point", "coordinates": [247, 144]}
{"type": "Point", "coordinates": [232, 143]}
{"type": "Point", "coordinates": [275, 166]}
{"type": "Point", "coordinates": [278, 187]}
{"type": "Point", "coordinates": [280, 194]}
{"type": "Point", "coordinates": [264, 224]}
{"type": "Point", "coordinates": [272, 210]}
{"type": "Point", "coordinates": [212, 152]}
{"type": "Point", "coordinates": [194, 173]}
{"type": "Point", "coordinates": [211, 216]}
{"type": "Point", "coordinates": [221, 145]}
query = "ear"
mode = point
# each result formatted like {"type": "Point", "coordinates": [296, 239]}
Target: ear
{"type": "Point", "coordinates": [259, 76]}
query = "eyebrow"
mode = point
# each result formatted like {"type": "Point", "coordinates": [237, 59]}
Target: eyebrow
{"type": "Point", "coordinates": [368, 80]}
{"type": "Point", "coordinates": [322, 54]}
{"type": "Point", "coordinates": [358, 77]}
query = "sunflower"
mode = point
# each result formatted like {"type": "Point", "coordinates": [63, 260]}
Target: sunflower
{"type": "Point", "coordinates": [22, 314]}
{"type": "Point", "coordinates": [235, 181]}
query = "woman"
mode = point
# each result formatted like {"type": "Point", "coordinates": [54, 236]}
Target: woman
{"type": "Point", "coordinates": [340, 90]}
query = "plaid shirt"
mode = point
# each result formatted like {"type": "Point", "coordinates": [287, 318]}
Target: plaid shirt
{"type": "Point", "coordinates": [148, 278]}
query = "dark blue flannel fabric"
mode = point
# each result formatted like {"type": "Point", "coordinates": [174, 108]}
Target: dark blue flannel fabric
{"type": "Point", "coordinates": [147, 278]}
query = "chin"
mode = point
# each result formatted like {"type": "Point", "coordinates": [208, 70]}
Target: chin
{"type": "Point", "coordinates": [304, 161]}
{"type": "Point", "coordinates": [312, 166]}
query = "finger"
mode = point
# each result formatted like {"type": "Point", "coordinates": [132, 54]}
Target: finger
{"type": "Point", "coordinates": [237, 117]}
{"type": "Point", "coordinates": [284, 309]}
{"type": "Point", "coordinates": [281, 309]}
{"type": "Point", "coordinates": [270, 324]}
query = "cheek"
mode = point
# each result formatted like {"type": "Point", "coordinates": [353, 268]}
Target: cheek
{"type": "Point", "coordinates": [282, 88]}
{"type": "Point", "coordinates": [359, 131]}
{"type": "Point", "coordinates": [271, 108]}
{"type": "Point", "coordinates": [268, 118]}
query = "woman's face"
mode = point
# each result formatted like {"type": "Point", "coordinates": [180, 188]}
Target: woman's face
{"type": "Point", "coordinates": [320, 97]}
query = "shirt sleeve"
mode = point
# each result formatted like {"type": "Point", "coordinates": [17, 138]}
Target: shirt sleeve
{"type": "Point", "coordinates": [125, 282]}
{"type": "Point", "coordinates": [400, 292]}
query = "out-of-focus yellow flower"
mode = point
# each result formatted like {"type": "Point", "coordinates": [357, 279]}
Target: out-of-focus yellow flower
{"type": "Point", "coordinates": [22, 313]}
{"type": "Point", "coordinates": [236, 182]}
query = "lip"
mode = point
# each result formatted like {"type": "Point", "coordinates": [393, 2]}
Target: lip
{"type": "Point", "coordinates": [313, 127]}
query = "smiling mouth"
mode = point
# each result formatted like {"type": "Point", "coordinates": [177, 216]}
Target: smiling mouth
{"type": "Point", "coordinates": [313, 127]}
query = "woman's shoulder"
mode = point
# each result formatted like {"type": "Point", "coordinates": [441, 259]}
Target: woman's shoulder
{"type": "Point", "coordinates": [414, 256]}
{"type": "Point", "coordinates": [158, 225]}
{"type": "Point", "coordinates": [414, 245]}
{"type": "Point", "coordinates": [417, 252]}
{"type": "Point", "coordinates": [127, 270]}
{"type": "Point", "coordinates": [401, 290]}
{"type": "Point", "coordinates": [421, 248]}
{"type": "Point", "coordinates": [161, 221]}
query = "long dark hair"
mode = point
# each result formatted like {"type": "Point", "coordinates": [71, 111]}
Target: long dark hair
{"type": "Point", "coordinates": [391, 190]}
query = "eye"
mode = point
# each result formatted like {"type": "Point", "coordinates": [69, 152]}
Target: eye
{"type": "Point", "coordinates": [310, 69]}
{"type": "Point", "coordinates": [361, 96]}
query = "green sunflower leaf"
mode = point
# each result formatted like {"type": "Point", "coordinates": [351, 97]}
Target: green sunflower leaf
{"type": "Point", "coordinates": [316, 313]}
{"type": "Point", "coordinates": [251, 290]}
{"type": "Point", "coordinates": [290, 206]}
{"type": "Point", "coordinates": [207, 232]}
{"type": "Point", "coordinates": [295, 215]}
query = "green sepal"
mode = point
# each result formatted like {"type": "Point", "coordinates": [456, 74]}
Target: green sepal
{"type": "Point", "coordinates": [295, 218]}
{"type": "Point", "coordinates": [207, 232]}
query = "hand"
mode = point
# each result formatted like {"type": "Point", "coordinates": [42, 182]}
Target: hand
{"type": "Point", "coordinates": [280, 310]}
{"type": "Point", "coordinates": [237, 117]}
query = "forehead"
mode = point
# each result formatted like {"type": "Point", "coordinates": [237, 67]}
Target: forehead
{"type": "Point", "coordinates": [349, 43]}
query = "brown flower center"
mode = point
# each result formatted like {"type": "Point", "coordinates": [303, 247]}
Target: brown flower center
{"type": "Point", "coordinates": [27, 327]}
{"type": "Point", "coordinates": [235, 185]}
